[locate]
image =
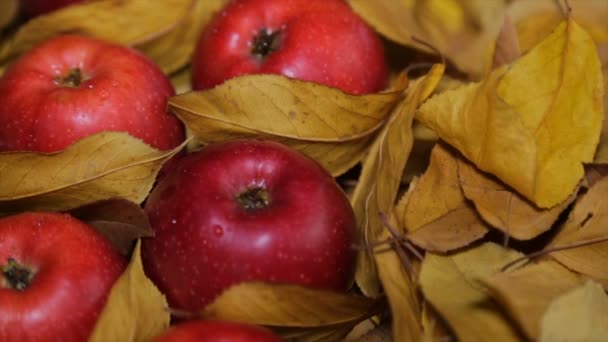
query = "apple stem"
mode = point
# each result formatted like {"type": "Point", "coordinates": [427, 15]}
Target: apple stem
{"type": "Point", "coordinates": [73, 79]}
{"type": "Point", "coordinates": [17, 276]}
{"type": "Point", "coordinates": [253, 199]}
{"type": "Point", "coordinates": [265, 43]}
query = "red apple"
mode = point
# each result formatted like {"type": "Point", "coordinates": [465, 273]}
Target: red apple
{"type": "Point", "coordinates": [217, 331]}
{"type": "Point", "coordinates": [314, 40]}
{"type": "Point", "coordinates": [56, 276]}
{"type": "Point", "coordinates": [70, 87]}
{"type": "Point", "coordinates": [33, 8]}
{"type": "Point", "coordinates": [247, 210]}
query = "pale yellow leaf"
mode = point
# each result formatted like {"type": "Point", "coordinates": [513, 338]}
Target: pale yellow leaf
{"type": "Point", "coordinates": [136, 310]}
{"type": "Point", "coordinates": [579, 315]}
{"type": "Point", "coordinates": [452, 285]}
{"type": "Point", "coordinates": [381, 173]}
{"type": "Point", "coordinates": [101, 166]}
{"type": "Point", "coordinates": [532, 124]}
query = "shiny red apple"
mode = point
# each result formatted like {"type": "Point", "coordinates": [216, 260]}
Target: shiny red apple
{"type": "Point", "coordinates": [247, 210]}
{"type": "Point", "coordinates": [314, 40]}
{"type": "Point", "coordinates": [56, 275]}
{"type": "Point", "coordinates": [70, 87]}
{"type": "Point", "coordinates": [217, 331]}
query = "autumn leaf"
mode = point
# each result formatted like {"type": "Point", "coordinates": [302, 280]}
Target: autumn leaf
{"type": "Point", "coordinates": [436, 214]}
{"type": "Point", "coordinates": [8, 12]}
{"type": "Point", "coordinates": [102, 166]}
{"type": "Point", "coordinates": [506, 48]}
{"type": "Point", "coordinates": [327, 124]}
{"type": "Point", "coordinates": [526, 293]}
{"type": "Point", "coordinates": [452, 285]}
{"type": "Point", "coordinates": [135, 311]}
{"type": "Point", "coordinates": [587, 221]}
{"type": "Point", "coordinates": [532, 124]}
{"type": "Point", "coordinates": [579, 315]}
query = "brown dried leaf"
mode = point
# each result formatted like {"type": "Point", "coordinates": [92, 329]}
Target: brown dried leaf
{"type": "Point", "coordinates": [102, 166]}
{"type": "Point", "coordinates": [380, 178]}
{"type": "Point", "coordinates": [601, 156]}
{"type": "Point", "coordinates": [506, 50]}
{"type": "Point", "coordinates": [588, 220]}
{"type": "Point", "coordinates": [526, 293]}
{"type": "Point", "coordinates": [505, 209]}
{"type": "Point", "coordinates": [436, 215]}
{"type": "Point", "coordinates": [136, 310]}
{"type": "Point", "coordinates": [533, 124]}
{"type": "Point", "coordinates": [8, 12]}
{"type": "Point", "coordinates": [579, 315]}
{"type": "Point", "coordinates": [595, 172]}
{"type": "Point", "coordinates": [452, 285]}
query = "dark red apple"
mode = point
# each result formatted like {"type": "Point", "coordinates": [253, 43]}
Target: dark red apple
{"type": "Point", "coordinates": [56, 275]}
{"type": "Point", "coordinates": [70, 87]}
{"type": "Point", "coordinates": [314, 40]}
{"type": "Point", "coordinates": [33, 8]}
{"type": "Point", "coordinates": [247, 210]}
{"type": "Point", "coordinates": [217, 331]}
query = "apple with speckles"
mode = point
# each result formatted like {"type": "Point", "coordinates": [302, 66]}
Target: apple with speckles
{"type": "Point", "coordinates": [323, 41]}
{"type": "Point", "coordinates": [70, 87]}
{"type": "Point", "coordinates": [56, 275]}
{"type": "Point", "coordinates": [217, 331]}
{"type": "Point", "coordinates": [247, 210]}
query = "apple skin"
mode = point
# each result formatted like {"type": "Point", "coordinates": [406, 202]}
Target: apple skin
{"type": "Point", "coordinates": [33, 8]}
{"type": "Point", "coordinates": [319, 40]}
{"type": "Point", "coordinates": [120, 90]}
{"type": "Point", "coordinates": [74, 269]}
{"type": "Point", "coordinates": [217, 331]}
{"type": "Point", "coordinates": [207, 240]}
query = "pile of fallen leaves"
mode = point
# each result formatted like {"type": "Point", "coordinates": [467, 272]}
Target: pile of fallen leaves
{"type": "Point", "coordinates": [479, 182]}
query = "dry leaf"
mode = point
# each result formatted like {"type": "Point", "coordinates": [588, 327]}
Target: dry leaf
{"type": "Point", "coordinates": [526, 293]}
{"type": "Point", "coordinates": [532, 124]}
{"type": "Point", "coordinates": [601, 156]}
{"type": "Point", "coordinates": [451, 284]}
{"type": "Point", "coordinates": [101, 166]}
{"type": "Point", "coordinates": [436, 214]}
{"type": "Point", "coordinates": [8, 12]}
{"type": "Point", "coordinates": [380, 178]}
{"type": "Point", "coordinates": [462, 30]}
{"type": "Point", "coordinates": [136, 310]}
{"type": "Point", "coordinates": [327, 124]}
{"type": "Point", "coordinates": [128, 22]}
{"type": "Point", "coordinates": [587, 221]}
{"type": "Point", "coordinates": [595, 172]}
{"type": "Point", "coordinates": [579, 315]}
{"type": "Point", "coordinates": [507, 49]}
{"type": "Point", "coordinates": [505, 209]}
{"type": "Point", "coordinates": [433, 327]}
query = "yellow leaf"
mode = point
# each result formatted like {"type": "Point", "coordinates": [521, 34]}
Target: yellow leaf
{"type": "Point", "coordinates": [101, 166]}
{"type": "Point", "coordinates": [506, 49]}
{"type": "Point", "coordinates": [136, 310]}
{"type": "Point", "coordinates": [381, 174]}
{"type": "Point", "coordinates": [436, 214]}
{"type": "Point", "coordinates": [462, 30]}
{"type": "Point", "coordinates": [452, 285]}
{"type": "Point", "coordinates": [327, 124]}
{"type": "Point", "coordinates": [128, 22]}
{"type": "Point", "coordinates": [504, 209]}
{"type": "Point", "coordinates": [532, 124]}
{"type": "Point", "coordinates": [526, 293]}
{"type": "Point", "coordinates": [8, 12]}
{"type": "Point", "coordinates": [601, 155]}
{"type": "Point", "coordinates": [579, 315]}
{"type": "Point", "coordinates": [587, 221]}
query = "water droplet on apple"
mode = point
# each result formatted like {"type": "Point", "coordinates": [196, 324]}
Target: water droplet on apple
{"type": "Point", "coordinates": [218, 230]}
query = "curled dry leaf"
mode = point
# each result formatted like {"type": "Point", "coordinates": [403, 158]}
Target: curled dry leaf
{"type": "Point", "coordinates": [101, 166]}
{"type": "Point", "coordinates": [505, 209]}
{"type": "Point", "coordinates": [297, 310]}
{"type": "Point", "coordinates": [452, 285]}
{"type": "Point", "coordinates": [532, 124]}
{"type": "Point", "coordinates": [526, 293]}
{"type": "Point", "coordinates": [436, 214]}
{"type": "Point", "coordinates": [381, 173]}
{"type": "Point", "coordinates": [579, 315]}
{"type": "Point", "coordinates": [136, 310]}
{"type": "Point", "coordinates": [120, 221]}
{"type": "Point", "coordinates": [327, 124]}
{"type": "Point", "coordinates": [587, 221]}
{"type": "Point", "coordinates": [128, 22]}
{"type": "Point", "coordinates": [462, 30]}
{"type": "Point", "coordinates": [595, 172]}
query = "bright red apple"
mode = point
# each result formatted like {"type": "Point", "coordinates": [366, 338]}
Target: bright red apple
{"type": "Point", "coordinates": [247, 210]}
{"type": "Point", "coordinates": [56, 276]}
{"type": "Point", "coordinates": [314, 40]}
{"type": "Point", "coordinates": [217, 331]}
{"type": "Point", "coordinates": [33, 8]}
{"type": "Point", "coordinates": [70, 87]}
